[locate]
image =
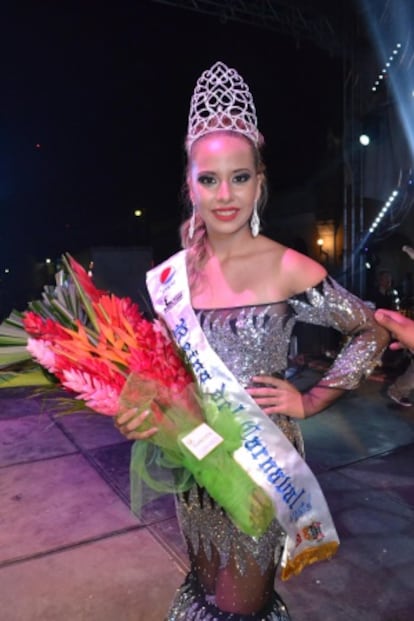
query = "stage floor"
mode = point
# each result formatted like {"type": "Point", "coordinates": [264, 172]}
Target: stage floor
{"type": "Point", "coordinates": [71, 550]}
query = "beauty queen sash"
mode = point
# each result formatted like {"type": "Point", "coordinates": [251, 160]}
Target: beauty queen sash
{"type": "Point", "coordinates": [266, 454]}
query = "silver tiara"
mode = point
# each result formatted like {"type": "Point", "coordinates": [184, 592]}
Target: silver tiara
{"type": "Point", "coordinates": [221, 101]}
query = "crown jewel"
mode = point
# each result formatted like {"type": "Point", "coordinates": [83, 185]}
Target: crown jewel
{"type": "Point", "coordinates": [221, 101]}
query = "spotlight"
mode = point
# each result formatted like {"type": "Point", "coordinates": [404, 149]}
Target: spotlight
{"type": "Point", "coordinates": [364, 139]}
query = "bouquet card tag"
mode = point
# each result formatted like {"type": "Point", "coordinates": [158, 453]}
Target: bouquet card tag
{"type": "Point", "coordinates": [202, 440]}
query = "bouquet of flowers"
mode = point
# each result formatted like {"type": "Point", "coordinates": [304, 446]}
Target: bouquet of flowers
{"type": "Point", "coordinates": [101, 348]}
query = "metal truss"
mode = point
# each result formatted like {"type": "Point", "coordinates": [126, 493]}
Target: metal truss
{"type": "Point", "coordinates": [284, 17]}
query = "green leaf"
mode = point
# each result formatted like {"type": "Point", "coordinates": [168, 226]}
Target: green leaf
{"type": "Point", "coordinates": [85, 299]}
{"type": "Point", "coordinates": [10, 355]}
{"type": "Point", "coordinates": [38, 307]}
{"type": "Point", "coordinates": [67, 316]}
{"type": "Point", "coordinates": [66, 303]}
{"type": "Point", "coordinates": [35, 377]}
{"type": "Point", "coordinates": [14, 319]}
{"type": "Point", "coordinates": [13, 340]}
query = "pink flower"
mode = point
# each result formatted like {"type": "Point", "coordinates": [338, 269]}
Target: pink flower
{"type": "Point", "coordinates": [42, 351]}
{"type": "Point", "coordinates": [97, 394]}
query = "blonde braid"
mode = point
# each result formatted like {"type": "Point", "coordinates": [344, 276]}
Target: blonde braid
{"type": "Point", "coordinates": [197, 249]}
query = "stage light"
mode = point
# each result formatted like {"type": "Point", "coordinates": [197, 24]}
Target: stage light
{"type": "Point", "coordinates": [387, 65]}
{"type": "Point", "coordinates": [138, 213]}
{"type": "Point", "coordinates": [364, 139]}
{"type": "Point", "coordinates": [383, 210]}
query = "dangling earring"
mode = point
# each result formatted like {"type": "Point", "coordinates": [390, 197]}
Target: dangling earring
{"type": "Point", "coordinates": [191, 228]}
{"type": "Point", "coordinates": [255, 221]}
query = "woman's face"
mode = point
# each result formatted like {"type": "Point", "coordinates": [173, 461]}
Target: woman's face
{"type": "Point", "coordinates": [223, 182]}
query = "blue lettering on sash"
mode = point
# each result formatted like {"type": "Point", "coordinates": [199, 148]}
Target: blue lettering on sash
{"type": "Point", "coordinates": [180, 333]}
{"type": "Point", "coordinates": [275, 475]}
{"type": "Point", "coordinates": [180, 330]}
{"type": "Point", "coordinates": [249, 427]}
{"type": "Point", "coordinates": [221, 401]}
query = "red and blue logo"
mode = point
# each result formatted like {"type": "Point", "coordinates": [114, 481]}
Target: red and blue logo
{"type": "Point", "coordinates": [167, 275]}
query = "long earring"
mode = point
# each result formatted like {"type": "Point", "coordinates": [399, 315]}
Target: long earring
{"type": "Point", "coordinates": [255, 221]}
{"type": "Point", "coordinates": [191, 228]}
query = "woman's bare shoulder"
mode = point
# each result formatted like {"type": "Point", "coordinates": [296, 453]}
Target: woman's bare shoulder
{"type": "Point", "coordinates": [301, 271]}
{"type": "Point", "coordinates": [273, 249]}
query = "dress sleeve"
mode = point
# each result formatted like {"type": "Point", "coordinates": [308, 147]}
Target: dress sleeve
{"type": "Point", "coordinates": [330, 305]}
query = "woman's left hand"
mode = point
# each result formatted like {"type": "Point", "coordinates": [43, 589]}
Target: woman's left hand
{"type": "Point", "coordinates": [277, 397]}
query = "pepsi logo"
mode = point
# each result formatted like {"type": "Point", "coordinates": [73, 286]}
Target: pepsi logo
{"type": "Point", "coordinates": [167, 275]}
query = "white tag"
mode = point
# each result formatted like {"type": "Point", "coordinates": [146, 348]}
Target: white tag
{"type": "Point", "coordinates": [202, 440]}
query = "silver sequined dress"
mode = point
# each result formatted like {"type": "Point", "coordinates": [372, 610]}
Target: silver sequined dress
{"type": "Point", "coordinates": [255, 340]}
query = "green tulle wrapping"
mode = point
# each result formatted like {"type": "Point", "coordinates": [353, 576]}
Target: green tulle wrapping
{"type": "Point", "coordinates": [165, 465]}
{"type": "Point", "coordinates": [153, 475]}
{"type": "Point", "coordinates": [247, 504]}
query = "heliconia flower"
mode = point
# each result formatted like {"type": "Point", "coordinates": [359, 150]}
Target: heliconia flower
{"type": "Point", "coordinates": [97, 394]}
{"type": "Point", "coordinates": [95, 361]}
{"type": "Point", "coordinates": [120, 324]}
{"type": "Point", "coordinates": [85, 280]}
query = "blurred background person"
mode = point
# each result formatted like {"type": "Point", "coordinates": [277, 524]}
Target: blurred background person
{"type": "Point", "coordinates": [407, 287]}
{"type": "Point", "coordinates": [400, 390]}
{"type": "Point", "coordinates": [384, 295]}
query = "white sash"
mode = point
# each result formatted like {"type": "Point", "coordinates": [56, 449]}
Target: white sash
{"type": "Point", "coordinates": [266, 454]}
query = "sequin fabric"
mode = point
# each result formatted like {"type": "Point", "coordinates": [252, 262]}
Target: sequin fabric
{"type": "Point", "coordinates": [331, 305]}
{"type": "Point", "coordinates": [255, 340]}
{"type": "Point", "coordinates": [205, 524]}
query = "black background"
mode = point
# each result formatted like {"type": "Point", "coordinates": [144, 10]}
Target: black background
{"type": "Point", "coordinates": [94, 107]}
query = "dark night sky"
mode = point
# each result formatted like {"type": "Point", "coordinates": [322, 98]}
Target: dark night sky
{"type": "Point", "coordinates": [105, 92]}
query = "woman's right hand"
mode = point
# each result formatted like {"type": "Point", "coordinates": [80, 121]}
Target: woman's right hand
{"type": "Point", "coordinates": [401, 327]}
{"type": "Point", "coordinates": [129, 422]}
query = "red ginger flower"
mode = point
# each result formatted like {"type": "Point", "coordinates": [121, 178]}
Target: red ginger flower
{"type": "Point", "coordinates": [37, 327]}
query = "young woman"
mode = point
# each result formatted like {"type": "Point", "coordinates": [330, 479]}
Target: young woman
{"type": "Point", "coordinates": [238, 294]}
